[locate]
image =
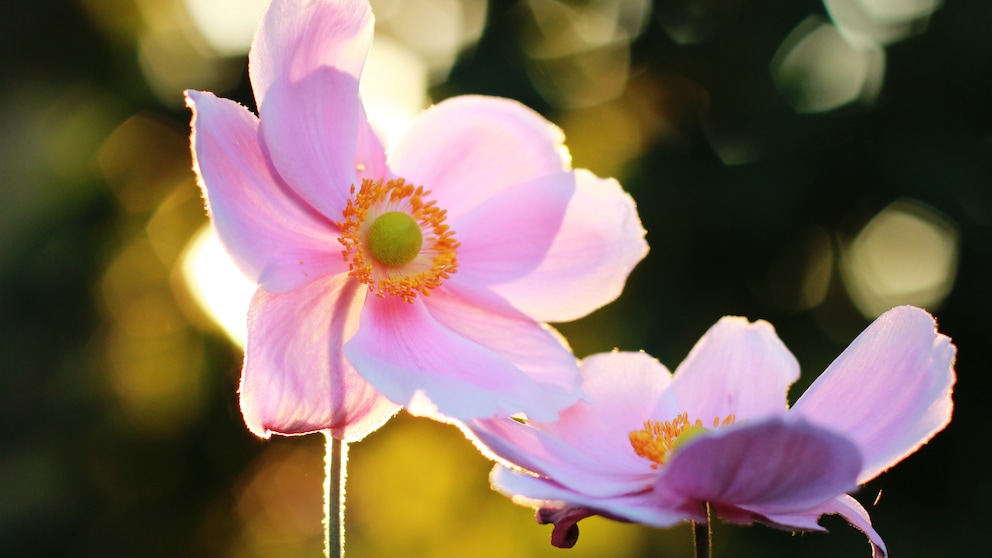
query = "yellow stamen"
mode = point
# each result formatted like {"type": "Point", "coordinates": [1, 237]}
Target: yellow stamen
{"type": "Point", "coordinates": [375, 260]}
{"type": "Point", "coordinates": [658, 439]}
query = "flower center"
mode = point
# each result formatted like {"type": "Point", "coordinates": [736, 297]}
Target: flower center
{"type": "Point", "coordinates": [659, 439]}
{"type": "Point", "coordinates": [395, 240]}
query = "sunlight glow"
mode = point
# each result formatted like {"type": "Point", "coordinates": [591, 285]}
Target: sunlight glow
{"type": "Point", "coordinates": [174, 55]}
{"type": "Point", "coordinates": [436, 30]}
{"type": "Point", "coordinates": [217, 284]}
{"type": "Point", "coordinates": [393, 87]}
{"type": "Point", "coordinates": [227, 25]}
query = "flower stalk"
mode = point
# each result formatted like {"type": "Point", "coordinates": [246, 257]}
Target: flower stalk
{"type": "Point", "coordinates": [335, 475]}
{"type": "Point", "coordinates": [702, 536]}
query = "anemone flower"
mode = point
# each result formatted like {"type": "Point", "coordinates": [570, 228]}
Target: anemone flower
{"type": "Point", "coordinates": [659, 448]}
{"type": "Point", "coordinates": [419, 276]}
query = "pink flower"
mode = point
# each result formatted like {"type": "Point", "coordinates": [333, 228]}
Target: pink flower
{"type": "Point", "coordinates": [635, 452]}
{"type": "Point", "coordinates": [418, 277]}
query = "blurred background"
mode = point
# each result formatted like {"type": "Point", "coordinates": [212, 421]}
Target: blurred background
{"type": "Point", "coordinates": [808, 162]}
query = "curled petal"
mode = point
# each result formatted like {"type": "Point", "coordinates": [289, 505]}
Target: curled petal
{"type": "Point", "coordinates": [843, 505]}
{"type": "Point", "coordinates": [414, 360]}
{"type": "Point", "coordinates": [565, 520]}
{"type": "Point", "coordinates": [296, 37]}
{"type": "Point", "coordinates": [276, 240]}
{"type": "Point", "coordinates": [467, 148]}
{"type": "Point", "coordinates": [769, 467]}
{"type": "Point", "coordinates": [737, 368]}
{"type": "Point", "coordinates": [597, 246]}
{"type": "Point", "coordinates": [889, 391]}
{"type": "Point", "coordinates": [296, 378]}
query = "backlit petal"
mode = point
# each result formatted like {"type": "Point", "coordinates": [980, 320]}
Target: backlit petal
{"type": "Point", "coordinates": [889, 391]}
{"type": "Point", "coordinates": [843, 505]}
{"type": "Point", "coordinates": [296, 378]}
{"type": "Point", "coordinates": [549, 456]}
{"type": "Point", "coordinates": [370, 151]}
{"type": "Point", "coordinates": [641, 507]}
{"type": "Point", "coordinates": [416, 361]}
{"type": "Point", "coordinates": [467, 148]}
{"type": "Point", "coordinates": [508, 236]}
{"type": "Point", "coordinates": [296, 37]}
{"type": "Point", "coordinates": [597, 246]}
{"type": "Point", "coordinates": [773, 466]}
{"type": "Point", "coordinates": [737, 368]}
{"type": "Point", "coordinates": [310, 128]}
{"type": "Point", "coordinates": [534, 348]}
{"type": "Point", "coordinates": [276, 240]}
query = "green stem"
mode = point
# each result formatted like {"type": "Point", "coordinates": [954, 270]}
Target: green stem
{"type": "Point", "coordinates": [336, 472]}
{"type": "Point", "coordinates": [702, 536]}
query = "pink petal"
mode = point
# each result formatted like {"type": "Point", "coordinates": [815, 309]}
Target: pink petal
{"type": "Point", "coordinates": [416, 361]}
{"type": "Point", "coordinates": [737, 368]}
{"type": "Point", "coordinates": [623, 390]}
{"type": "Point", "coordinates": [276, 240]}
{"type": "Point", "coordinates": [297, 37]}
{"type": "Point", "coordinates": [467, 148]}
{"type": "Point", "coordinates": [597, 246]}
{"type": "Point", "coordinates": [310, 128]}
{"type": "Point", "coordinates": [370, 151]}
{"type": "Point", "coordinates": [889, 391]}
{"type": "Point", "coordinates": [843, 505]}
{"type": "Point", "coordinates": [521, 446]}
{"type": "Point", "coordinates": [509, 235]}
{"type": "Point", "coordinates": [641, 507]}
{"type": "Point", "coordinates": [313, 54]}
{"type": "Point", "coordinates": [536, 349]}
{"type": "Point", "coordinates": [770, 467]}
{"type": "Point", "coordinates": [296, 379]}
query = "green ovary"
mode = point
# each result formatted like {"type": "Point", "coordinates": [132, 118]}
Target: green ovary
{"type": "Point", "coordinates": [688, 434]}
{"type": "Point", "coordinates": [394, 239]}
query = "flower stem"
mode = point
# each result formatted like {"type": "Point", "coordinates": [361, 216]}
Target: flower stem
{"type": "Point", "coordinates": [335, 474]}
{"type": "Point", "coordinates": [702, 536]}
